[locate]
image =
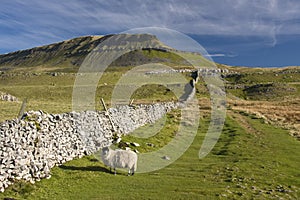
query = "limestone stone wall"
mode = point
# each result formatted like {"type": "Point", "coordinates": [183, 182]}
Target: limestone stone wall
{"type": "Point", "coordinates": [30, 147]}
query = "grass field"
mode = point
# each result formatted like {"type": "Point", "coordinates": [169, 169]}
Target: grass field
{"type": "Point", "coordinates": [252, 159]}
{"type": "Point", "coordinates": [244, 164]}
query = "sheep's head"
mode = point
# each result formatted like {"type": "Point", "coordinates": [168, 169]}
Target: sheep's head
{"type": "Point", "coordinates": [105, 151]}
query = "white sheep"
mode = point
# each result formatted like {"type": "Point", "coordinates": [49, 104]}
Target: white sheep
{"type": "Point", "coordinates": [120, 159]}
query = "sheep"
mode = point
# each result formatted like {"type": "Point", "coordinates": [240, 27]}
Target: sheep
{"type": "Point", "coordinates": [119, 159]}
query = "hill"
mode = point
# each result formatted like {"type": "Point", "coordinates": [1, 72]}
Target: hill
{"type": "Point", "coordinates": [67, 56]}
{"type": "Point", "coordinates": [69, 53]}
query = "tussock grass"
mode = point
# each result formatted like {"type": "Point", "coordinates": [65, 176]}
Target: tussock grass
{"type": "Point", "coordinates": [282, 114]}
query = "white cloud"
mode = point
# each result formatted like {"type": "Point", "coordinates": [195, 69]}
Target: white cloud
{"type": "Point", "coordinates": [220, 55]}
{"type": "Point", "coordinates": [215, 55]}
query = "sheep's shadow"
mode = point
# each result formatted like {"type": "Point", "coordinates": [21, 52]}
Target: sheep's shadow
{"type": "Point", "coordinates": [87, 168]}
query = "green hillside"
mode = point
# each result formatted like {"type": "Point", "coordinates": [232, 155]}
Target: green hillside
{"type": "Point", "coordinates": [67, 56]}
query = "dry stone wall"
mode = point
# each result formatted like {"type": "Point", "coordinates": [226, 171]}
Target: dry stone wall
{"type": "Point", "coordinates": [30, 147]}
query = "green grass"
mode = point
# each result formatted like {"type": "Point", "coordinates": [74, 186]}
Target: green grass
{"type": "Point", "coordinates": [238, 93]}
{"type": "Point", "coordinates": [259, 76]}
{"type": "Point", "coordinates": [43, 92]}
{"type": "Point", "coordinates": [168, 57]}
{"type": "Point", "coordinates": [264, 84]}
{"type": "Point", "coordinates": [242, 165]}
{"type": "Point", "coordinates": [269, 91]}
{"type": "Point", "coordinates": [165, 133]}
{"type": "Point", "coordinates": [53, 94]}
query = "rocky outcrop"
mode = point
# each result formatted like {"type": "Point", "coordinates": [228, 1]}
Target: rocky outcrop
{"type": "Point", "coordinates": [7, 97]}
{"type": "Point", "coordinates": [30, 147]}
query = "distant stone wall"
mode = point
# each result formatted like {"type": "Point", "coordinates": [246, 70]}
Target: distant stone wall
{"type": "Point", "coordinates": [30, 147]}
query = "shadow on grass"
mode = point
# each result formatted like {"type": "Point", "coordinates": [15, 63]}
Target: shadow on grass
{"type": "Point", "coordinates": [94, 160]}
{"type": "Point", "coordinates": [88, 168]}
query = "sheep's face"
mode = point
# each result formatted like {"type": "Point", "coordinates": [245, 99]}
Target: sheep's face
{"type": "Point", "coordinates": [105, 151]}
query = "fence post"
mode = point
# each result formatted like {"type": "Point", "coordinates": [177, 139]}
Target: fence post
{"type": "Point", "coordinates": [21, 112]}
{"type": "Point", "coordinates": [109, 117]}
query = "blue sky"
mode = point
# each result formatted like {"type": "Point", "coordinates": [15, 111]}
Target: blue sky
{"type": "Point", "coordinates": [235, 32]}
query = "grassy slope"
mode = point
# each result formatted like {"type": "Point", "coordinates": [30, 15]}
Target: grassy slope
{"type": "Point", "coordinates": [242, 164]}
{"type": "Point", "coordinates": [53, 94]}
{"type": "Point", "coordinates": [269, 93]}
{"type": "Point", "coordinates": [286, 83]}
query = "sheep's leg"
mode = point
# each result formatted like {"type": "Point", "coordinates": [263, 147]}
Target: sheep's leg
{"type": "Point", "coordinates": [130, 172]}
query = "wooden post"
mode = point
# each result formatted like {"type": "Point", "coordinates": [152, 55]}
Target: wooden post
{"type": "Point", "coordinates": [103, 103]}
{"type": "Point", "coordinates": [21, 112]}
{"type": "Point", "coordinates": [131, 102]}
{"type": "Point", "coordinates": [109, 117]}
